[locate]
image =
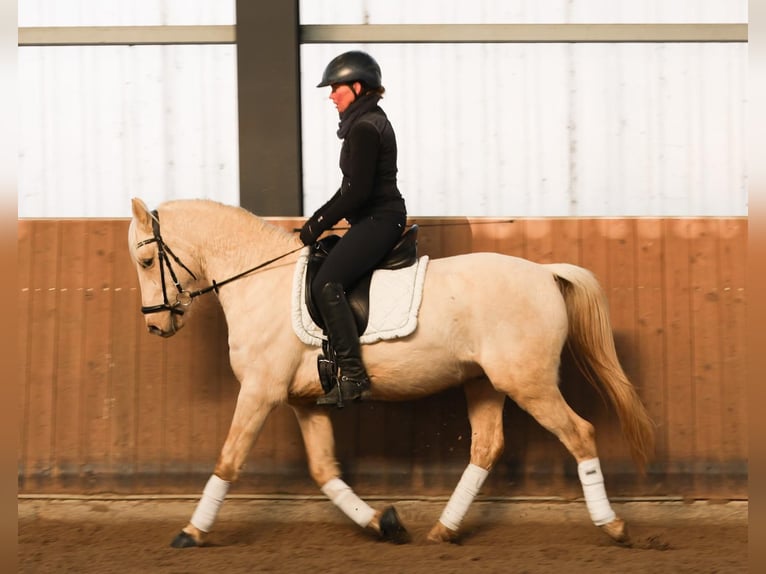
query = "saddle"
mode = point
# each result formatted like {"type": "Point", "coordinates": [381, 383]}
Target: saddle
{"type": "Point", "coordinates": [403, 254]}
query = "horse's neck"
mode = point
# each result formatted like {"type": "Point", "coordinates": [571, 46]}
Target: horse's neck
{"type": "Point", "coordinates": [254, 303]}
{"type": "Point", "coordinates": [240, 249]}
{"type": "Point", "coordinates": [227, 242]}
{"type": "Point", "coordinates": [224, 242]}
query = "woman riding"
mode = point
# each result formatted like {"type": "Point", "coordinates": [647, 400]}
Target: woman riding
{"type": "Point", "coordinates": [368, 198]}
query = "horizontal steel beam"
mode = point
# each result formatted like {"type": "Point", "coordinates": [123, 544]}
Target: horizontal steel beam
{"type": "Point", "coordinates": [126, 35]}
{"type": "Point", "coordinates": [391, 34]}
{"type": "Point", "coordinates": [512, 33]}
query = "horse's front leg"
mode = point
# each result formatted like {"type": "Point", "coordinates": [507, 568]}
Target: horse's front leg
{"type": "Point", "coordinates": [250, 413]}
{"type": "Point", "coordinates": [316, 428]}
{"type": "Point", "coordinates": [485, 413]}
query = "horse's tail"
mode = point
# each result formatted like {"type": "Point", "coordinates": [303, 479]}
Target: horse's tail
{"type": "Point", "coordinates": [592, 343]}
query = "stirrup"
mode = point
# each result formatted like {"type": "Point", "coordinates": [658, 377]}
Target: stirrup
{"type": "Point", "coordinates": [346, 390]}
{"type": "Point", "coordinates": [327, 370]}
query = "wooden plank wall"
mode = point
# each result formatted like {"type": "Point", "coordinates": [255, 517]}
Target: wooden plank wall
{"type": "Point", "coordinates": [106, 407]}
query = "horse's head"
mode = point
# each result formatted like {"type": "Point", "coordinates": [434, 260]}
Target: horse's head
{"type": "Point", "coordinates": [164, 278]}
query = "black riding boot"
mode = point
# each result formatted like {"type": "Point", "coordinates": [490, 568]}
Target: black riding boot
{"type": "Point", "coordinates": [353, 382]}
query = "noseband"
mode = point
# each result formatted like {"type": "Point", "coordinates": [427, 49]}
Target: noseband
{"type": "Point", "coordinates": [185, 298]}
{"type": "Point", "coordinates": [164, 253]}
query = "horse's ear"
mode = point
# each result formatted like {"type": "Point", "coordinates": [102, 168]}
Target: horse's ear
{"type": "Point", "coordinates": [141, 214]}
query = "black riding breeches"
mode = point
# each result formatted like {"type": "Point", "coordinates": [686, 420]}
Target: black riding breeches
{"type": "Point", "coordinates": [362, 247]}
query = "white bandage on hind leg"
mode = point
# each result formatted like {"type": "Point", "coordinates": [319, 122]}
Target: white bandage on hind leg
{"type": "Point", "coordinates": [466, 490]}
{"type": "Point", "coordinates": [211, 501]}
{"type": "Point", "coordinates": [344, 498]}
{"type": "Point", "coordinates": [596, 500]}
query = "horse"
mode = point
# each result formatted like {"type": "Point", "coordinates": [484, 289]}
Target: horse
{"type": "Point", "coordinates": [494, 324]}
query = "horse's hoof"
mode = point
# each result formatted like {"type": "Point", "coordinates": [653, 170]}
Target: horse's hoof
{"type": "Point", "coordinates": [617, 530]}
{"type": "Point", "coordinates": [391, 528]}
{"type": "Point", "coordinates": [184, 540]}
{"type": "Point", "coordinates": [440, 533]}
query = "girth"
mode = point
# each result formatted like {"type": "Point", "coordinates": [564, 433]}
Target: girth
{"type": "Point", "coordinates": [403, 254]}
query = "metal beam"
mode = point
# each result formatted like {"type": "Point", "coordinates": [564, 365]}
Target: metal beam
{"type": "Point", "coordinates": [391, 33]}
{"type": "Point", "coordinates": [126, 35]}
{"type": "Point", "coordinates": [268, 80]}
{"type": "Point", "coordinates": [510, 33]}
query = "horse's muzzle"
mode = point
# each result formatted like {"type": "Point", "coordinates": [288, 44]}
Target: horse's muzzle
{"type": "Point", "coordinates": [162, 328]}
{"type": "Point", "coordinates": [155, 330]}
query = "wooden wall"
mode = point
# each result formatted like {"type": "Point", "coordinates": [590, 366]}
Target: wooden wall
{"type": "Point", "coordinates": [106, 407]}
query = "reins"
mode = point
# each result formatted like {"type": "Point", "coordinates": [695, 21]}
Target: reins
{"type": "Point", "coordinates": [185, 298]}
{"type": "Point", "coordinates": [218, 284]}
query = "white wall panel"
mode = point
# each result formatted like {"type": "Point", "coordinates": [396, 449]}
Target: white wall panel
{"type": "Point", "coordinates": [550, 129]}
{"type": "Point", "coordinates": [102, 124]}
{"type": "Point", "coordinates": [539, 130]}
{"type": "Point", "coordinates": [126, 13]}
{"type": "Point", "coordinates": [521, 11]}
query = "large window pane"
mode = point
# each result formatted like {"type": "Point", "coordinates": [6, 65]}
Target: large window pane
{"type": "Point", "coordinates": [126, 12]}
{"type": "Point", "coordinates": [99, 125]}
{"type": "Point", "coordinates": [521, 11]}
{"type": "Point", "coordinates": [549, 129]}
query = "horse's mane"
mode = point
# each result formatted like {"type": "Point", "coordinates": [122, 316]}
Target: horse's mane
{"type": "Point", "coordinates": [229, 219]}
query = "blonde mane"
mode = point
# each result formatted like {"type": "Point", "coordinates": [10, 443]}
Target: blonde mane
{"type": "Point", "coordinates": [227, 217]}
{"type": "Point", "coordinates": [227, 228]}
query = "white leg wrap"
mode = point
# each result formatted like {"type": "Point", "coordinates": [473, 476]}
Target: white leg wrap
{"type": "Point", "coordinates": [344, 498]}
{"type": "Point", "coordinates": [466, 490]}
{"type": "Point", "coordinates": [595, 494]}
{"type": "Point", "coordinates": [211, 501]}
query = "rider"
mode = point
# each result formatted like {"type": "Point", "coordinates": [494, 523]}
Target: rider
{"type": "Point", "coordinates": [368, 198]}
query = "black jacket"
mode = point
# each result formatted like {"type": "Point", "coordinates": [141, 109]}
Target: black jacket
{"type": "Point", "coordinates": [368, 163]}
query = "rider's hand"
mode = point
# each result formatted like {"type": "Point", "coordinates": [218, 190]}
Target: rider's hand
{"type": "Point", "coordinates": [310, 232]}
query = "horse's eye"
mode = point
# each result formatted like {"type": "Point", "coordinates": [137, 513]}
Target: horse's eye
{"type": "Point", "coordinates": [146, 263]}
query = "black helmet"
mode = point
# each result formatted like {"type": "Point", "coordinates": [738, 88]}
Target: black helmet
{"type": "Point", "coordinates": [352, 67]}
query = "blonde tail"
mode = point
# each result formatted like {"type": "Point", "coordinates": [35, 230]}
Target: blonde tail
{"type": "Point", "coordinates": [592, 343]}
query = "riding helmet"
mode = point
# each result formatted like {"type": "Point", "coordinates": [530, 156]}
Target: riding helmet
{"type": "Point", "coordinates": [352, 67]}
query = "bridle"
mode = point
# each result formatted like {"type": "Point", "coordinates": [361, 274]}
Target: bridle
{"type": "Point", "coordinates": [185, 298]}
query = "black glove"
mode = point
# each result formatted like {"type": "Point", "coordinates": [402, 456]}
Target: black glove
{"type": "Point", "coordinates": [311, 231]}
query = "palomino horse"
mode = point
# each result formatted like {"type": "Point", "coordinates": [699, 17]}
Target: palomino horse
{"type": "Point", "coordinates": [494, 324]}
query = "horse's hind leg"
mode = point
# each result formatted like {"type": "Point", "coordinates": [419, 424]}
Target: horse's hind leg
{"type": "Point", "coordinates": [485, 413]}
{"type": "Point", "coordinates": [546, 404]}
{"type": "Point", "coordinates": [316, 429]}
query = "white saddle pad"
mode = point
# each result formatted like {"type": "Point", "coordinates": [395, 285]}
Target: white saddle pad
{"type": "Point", "coordinates": [395, 297]}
